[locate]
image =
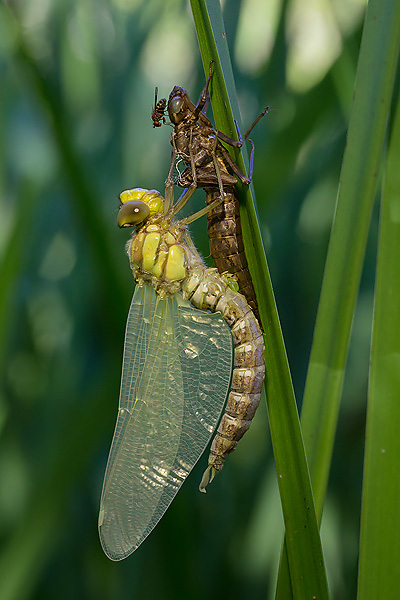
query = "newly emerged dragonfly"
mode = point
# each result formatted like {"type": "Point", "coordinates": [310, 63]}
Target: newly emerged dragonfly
{"type": "Point", "coordinates": [209, 166]}
{"type": "Point", "coordinates": [191, 343]}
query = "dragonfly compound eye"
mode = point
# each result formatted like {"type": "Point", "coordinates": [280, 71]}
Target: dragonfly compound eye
{"type": "Point", "coordinates": [132, 213]}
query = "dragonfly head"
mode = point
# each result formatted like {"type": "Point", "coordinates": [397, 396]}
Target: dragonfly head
{"type": "Point", "coordinates": [137, 205]}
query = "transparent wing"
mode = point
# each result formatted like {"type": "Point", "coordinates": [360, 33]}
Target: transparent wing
{"type": "Point", "coordinates": [176, 375]}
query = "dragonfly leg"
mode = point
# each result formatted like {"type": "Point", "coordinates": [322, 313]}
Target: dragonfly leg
{"type": "Point", "coordinates": [202, 212]}
{"type": "Point", "coordinates": [204, 93]}
{"type": "Point", "coordinates": [243, 178]}
{"type": "Point", "coordinates": [215, 202]}
{"type": "Point", "coordinates": [238, 143]}
{"type": "Point", "coordinates": [217, 170]}
{"type": "Point", "coordinates": [192, 161]}
{"type": "Point", "coordinates": [238, 133]}
{"type": "Point", "coordinates": [228, 140]}
{"type": "Point", "coordinates": [251, 160]}
{"type": "Point", "coordinates": [183, 198]}
{"type": "Point", "coordinates": [169, 182]}
{"type": "Point", "coordinates": [254, 123]}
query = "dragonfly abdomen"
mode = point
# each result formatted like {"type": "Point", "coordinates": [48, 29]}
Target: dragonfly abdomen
{"type": "Point", "coordinates": [210, 291]}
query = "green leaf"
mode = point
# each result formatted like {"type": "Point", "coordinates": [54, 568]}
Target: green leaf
{"type": "Point", "coordinates": [380, 518]}
{"type": "Point", "coordinates": [12, 259]}
{"type": "Point", "coordinates": [304, 546]}
{"type": "Point", "coordinates": [358, 182]}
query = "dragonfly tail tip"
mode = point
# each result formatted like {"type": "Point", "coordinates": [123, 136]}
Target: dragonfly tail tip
{"type": "Point", "coordinates": [207, 478]}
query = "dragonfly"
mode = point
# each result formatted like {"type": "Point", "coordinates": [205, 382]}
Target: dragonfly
{"type": "Point", "coordinates": [192, 344]}
{"type": "Point", "coordinates": [209, 166]}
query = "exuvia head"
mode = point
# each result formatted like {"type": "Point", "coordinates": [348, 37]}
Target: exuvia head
{"type": "Point", "coordinates": [177, 108]}
{"type": "Point", "coordinates": [137, 205]}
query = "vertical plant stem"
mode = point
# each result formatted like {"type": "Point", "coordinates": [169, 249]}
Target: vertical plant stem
{"type": "Point", "coordinates": [380, 518]}
{"type": "Point", "coordinates": [304, 546]}
{"type": "Point", "coordinates": [358, 182]}
{"type": "Point", "coordinates": [372, 96]}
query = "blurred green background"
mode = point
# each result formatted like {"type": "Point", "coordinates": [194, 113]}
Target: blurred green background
{"type": "Point", "coordinates": [76, 88]}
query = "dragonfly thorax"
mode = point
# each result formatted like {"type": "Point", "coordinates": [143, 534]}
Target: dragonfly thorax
{"type": "Point", "coordinates": [159, 255]}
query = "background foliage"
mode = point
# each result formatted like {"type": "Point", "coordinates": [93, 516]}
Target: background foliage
{"type": "Point", "coordinates": [77, 86]}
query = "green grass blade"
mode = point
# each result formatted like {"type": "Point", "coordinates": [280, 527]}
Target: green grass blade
{"type": "Point", "coordinates": [380, 518]}
{"type": "Point", "coordinates": [358, 181]}
{"type": "Point", "coordinates": [372, 96]}
{"type": "Point", "coordinates": [304, 546]}
{"type": "Point", "coordinates": [12, 259]}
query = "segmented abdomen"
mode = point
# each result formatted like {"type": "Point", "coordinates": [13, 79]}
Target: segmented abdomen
{"type": "Point", "coordinates": [226, 243]}
{"type": "Point", "coordinates": [207, 290]}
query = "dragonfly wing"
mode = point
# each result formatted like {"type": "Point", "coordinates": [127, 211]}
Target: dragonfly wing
{"type": "Point", "coordinates": [176, 374]}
